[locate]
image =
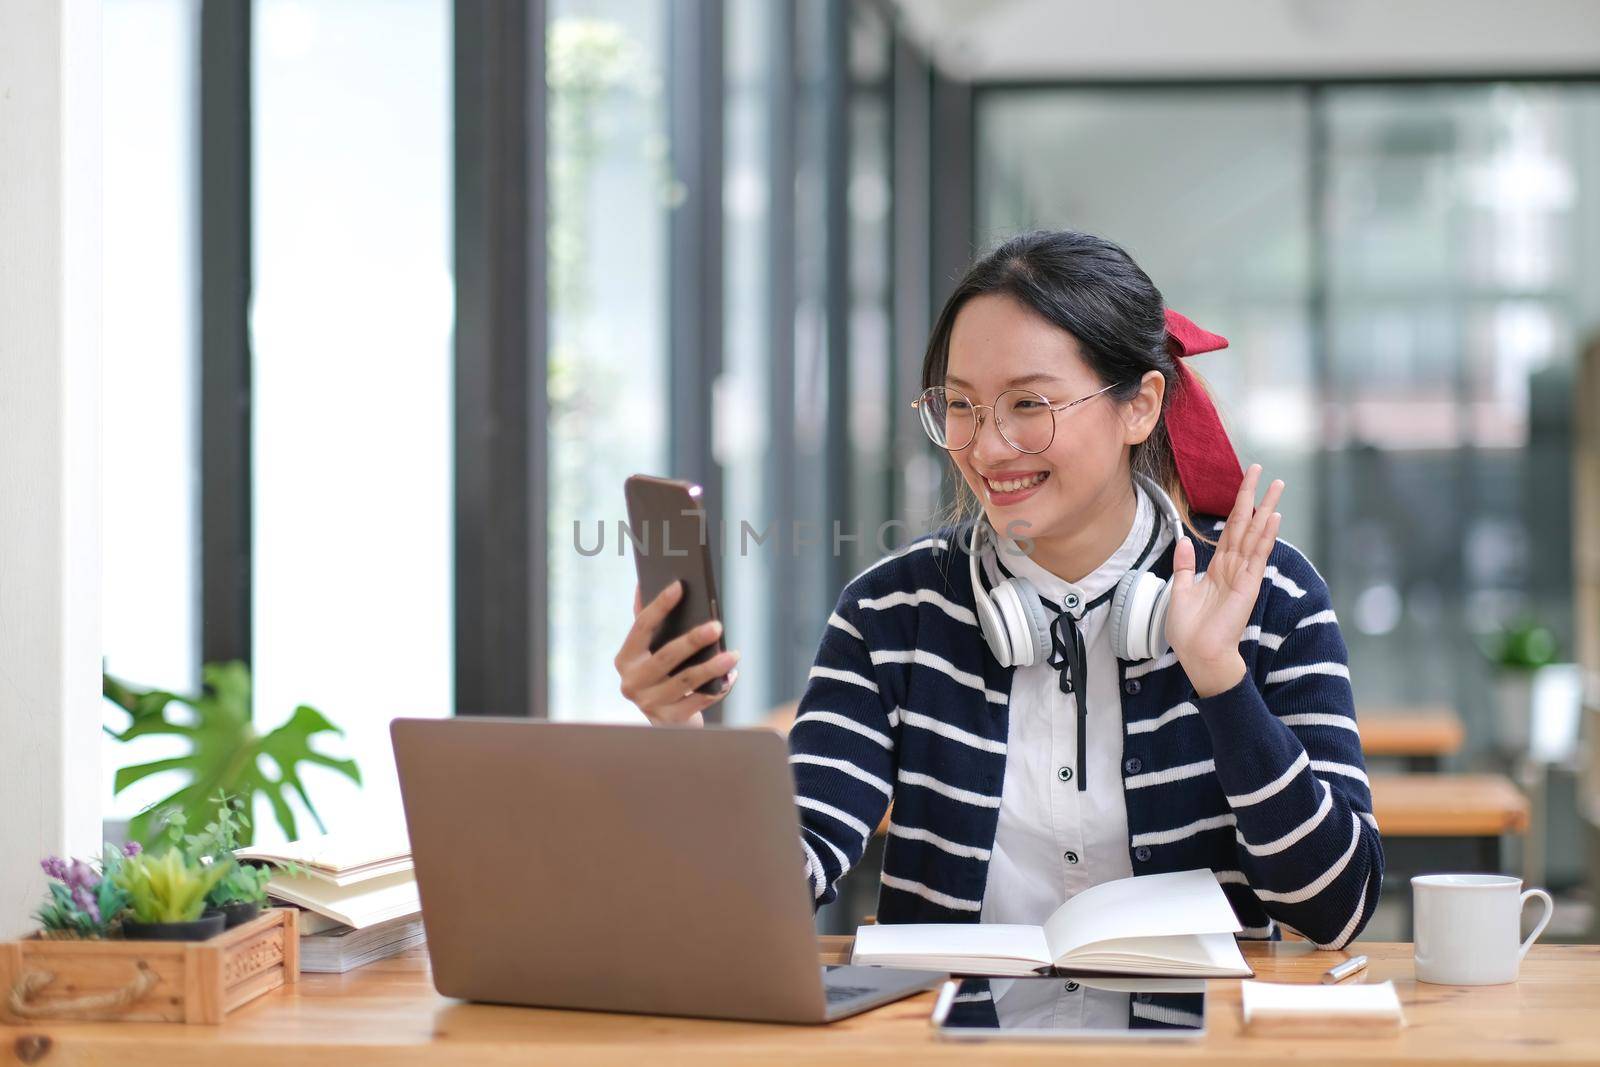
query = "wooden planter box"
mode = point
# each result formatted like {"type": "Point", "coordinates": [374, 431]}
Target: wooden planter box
{"type": "Point", "coordinates": [149, 981]}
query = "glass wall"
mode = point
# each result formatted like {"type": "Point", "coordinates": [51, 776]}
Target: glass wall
{"type": "Point", "coordinates": [804, 557]}
{"type": "Point", "coordinates": [876, 397]}
{"type": "Point", "coordinates": [742, 439]}
{"type": "Point", "coordinates": [1455, 290]}
{"type": "Point", "coordinates": [1209, 191]}
{"type": "Point", "coordinates": [610, 191]}
{"type": "Point", "coordinates": [351, 321]}
{"type": "Point", "coordinates": [150, 457]}
{"type": "Point", "coordinates": [1404, 275]}
{"type": "Point", "coordinates": [787, 66]}
{"type": "Point", "coordinates": [351, 327]}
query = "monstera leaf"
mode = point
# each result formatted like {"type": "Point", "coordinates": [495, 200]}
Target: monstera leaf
{"type": "Point", "coordinates": [226, 751]}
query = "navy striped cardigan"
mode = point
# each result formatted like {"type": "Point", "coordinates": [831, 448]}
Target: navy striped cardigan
{"type": "Point", "coordinates": [1264, 784]}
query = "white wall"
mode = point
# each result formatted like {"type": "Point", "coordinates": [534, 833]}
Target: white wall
{"type": "Point", "coordinates": [997, 39]}
{"type": "Point", "coordinates": [49, 442]}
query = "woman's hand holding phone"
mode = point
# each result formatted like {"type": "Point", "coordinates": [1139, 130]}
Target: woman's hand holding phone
{"type": "Point", "coordinates": [648, 678]}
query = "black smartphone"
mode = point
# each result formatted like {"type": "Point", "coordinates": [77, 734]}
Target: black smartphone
{"type": "Point", "coordinates": [667, 525]}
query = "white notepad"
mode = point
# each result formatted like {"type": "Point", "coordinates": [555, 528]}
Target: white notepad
{"type": "Point", "coordinates": [1356, 1009]}
{"type": "Point", "coordinates": [1178, 924]}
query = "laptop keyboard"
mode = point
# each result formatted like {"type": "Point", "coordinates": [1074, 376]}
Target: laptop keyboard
{"type": "Point", "coordinates": [836, 993]}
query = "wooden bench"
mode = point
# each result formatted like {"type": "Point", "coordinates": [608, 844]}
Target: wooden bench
{"type": "Point", "coordinates": [1422, 736]}
{"type": "Point", "coordinates": [1448, 805]}
{"type": "Point", "coordinates": [1444, 822]}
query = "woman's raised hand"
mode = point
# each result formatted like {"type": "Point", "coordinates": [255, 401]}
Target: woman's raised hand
{"type": "Point", "coordinates": [648, 678]}
{"type": "Point", "coordinates": [1206, 618]}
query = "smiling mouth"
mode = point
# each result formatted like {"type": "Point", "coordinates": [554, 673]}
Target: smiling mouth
{"type": "Point", "coordinates": [1012, 485]}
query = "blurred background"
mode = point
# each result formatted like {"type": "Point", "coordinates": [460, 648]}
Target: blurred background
{"type": "Point", "coordinates": [398, 292]}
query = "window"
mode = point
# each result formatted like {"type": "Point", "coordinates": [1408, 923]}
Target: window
{"type": "Point", "coordinates": [874, 409]}
{"type": "Point", "coordinates": [351, 328]}
{"type": "Point", "coordinates": [742, 437]}
{"type": "Point", "coordinates": [151, 431]}
{"type": "Point", "coordinates": [610, 191]}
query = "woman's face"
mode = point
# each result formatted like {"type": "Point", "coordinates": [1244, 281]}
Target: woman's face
{"type": "Point", "coordinates": [998, 344]}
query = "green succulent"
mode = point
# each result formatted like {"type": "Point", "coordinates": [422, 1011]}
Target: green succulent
{"type": "Point", "coordinates": [244, 883]}
{"type": "Point", "coordinates": [167, 888]}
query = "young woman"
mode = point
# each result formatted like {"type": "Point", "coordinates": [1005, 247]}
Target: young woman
{"type": "Point", "coordinates": [1037, 730]}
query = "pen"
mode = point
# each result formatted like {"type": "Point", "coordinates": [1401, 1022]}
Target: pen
{"type": "Point", "coordinates": [1340, 972]}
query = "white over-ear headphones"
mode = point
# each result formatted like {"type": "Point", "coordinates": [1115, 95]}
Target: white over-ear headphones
{"type": "Point", "coordinates": [1017, 630]}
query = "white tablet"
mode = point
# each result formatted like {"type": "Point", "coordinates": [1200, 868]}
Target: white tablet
{"type": "Point", "coordinates": [1071, 1009]}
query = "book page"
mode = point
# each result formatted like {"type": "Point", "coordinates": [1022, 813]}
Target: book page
{"type": "Point", "coordinates": [337, 852]}
{"type": "Point", "coordinates": [1151, 905]}
{"type": "Point", "coordinates": [1212, 954]}
{"type": "Point", "coordinates": [371, 902]}
{"type": "Point", "coordinates": [899, 942]}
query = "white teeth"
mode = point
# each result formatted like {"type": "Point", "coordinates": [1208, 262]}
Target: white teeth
{"type": "Point", "coordinates": [1012, 485]}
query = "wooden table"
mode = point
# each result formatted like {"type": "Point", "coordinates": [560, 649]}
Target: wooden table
{"type": "Point", "coordinates": [1422, 736]}
{"type": "Point", "coordinates": [388, 1013]}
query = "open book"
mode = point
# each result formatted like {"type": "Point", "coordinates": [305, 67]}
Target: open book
{"type": "Point", "coordinates": [359, 880]}
{"type": "Point", "coordinates": [341, 859]}
{"type": "Point", "coordinates": [1178, 924]}
{"type": "Point", "coordinates": [377, 900]}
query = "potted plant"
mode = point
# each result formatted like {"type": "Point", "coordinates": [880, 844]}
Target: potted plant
{"type": "Point", "coordinates": [242, 891]}
{"type": "Point", "coordinates": [1517, 652]}
{"type": "Point", "coordinates": [167, 896]}
{"type": "Point", "coordinates": [126, 938]}
{"type": "Point", "coordinates": [85, 901]}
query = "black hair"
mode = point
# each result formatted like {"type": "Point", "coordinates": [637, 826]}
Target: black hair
{"type": "Point", "coordinates": [1091, 288]}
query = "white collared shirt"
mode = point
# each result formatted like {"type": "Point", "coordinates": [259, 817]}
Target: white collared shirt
{"type": "Point", "coordinates": [1054, 840]}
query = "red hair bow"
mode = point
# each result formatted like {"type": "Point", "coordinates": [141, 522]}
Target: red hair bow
{"type": "Point", "coordinates": [1208, 469]}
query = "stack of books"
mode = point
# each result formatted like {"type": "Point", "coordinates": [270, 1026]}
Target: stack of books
{"type": "Point", "coordinates": [357, 894]}
{"type": "Point", "coordinates": [326, 945]}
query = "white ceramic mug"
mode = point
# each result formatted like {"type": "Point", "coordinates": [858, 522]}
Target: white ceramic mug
{"type": "Point", "coordinates": [1467, 927]}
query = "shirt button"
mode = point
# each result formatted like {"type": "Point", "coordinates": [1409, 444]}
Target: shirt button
{"type": "Point", "coordinates": [1072, 600]}
{"type": "Point", "coordinates": [1064, 773]}
{"type": "Point", "coordinates": [1072, 857]}
{"type": "Point", "coordinates": [1072, 987]}
{"type": "Point", "coordinates": [1142, 853]}
{"type": "Point", "coordinates": [1132, 765]}
{"type": "Point", "coordinates": [1131, 686]}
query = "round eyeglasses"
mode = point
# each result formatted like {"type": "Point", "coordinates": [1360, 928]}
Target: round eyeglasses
{"type": "Point", "coordinates": [1025, 419]}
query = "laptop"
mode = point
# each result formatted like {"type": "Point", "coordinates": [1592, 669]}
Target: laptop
{"type": "Point", "coordinates": [620, 868]}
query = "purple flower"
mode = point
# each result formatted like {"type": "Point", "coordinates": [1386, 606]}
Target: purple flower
{"type": "Point", "coordinates": [82, 875]}
{"type": "Point", "coordinates": [132, 848]}
{"type": "Point", "coordinates": [55, 867]}
{"type": "Point", "coordinates": [85, 900]}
